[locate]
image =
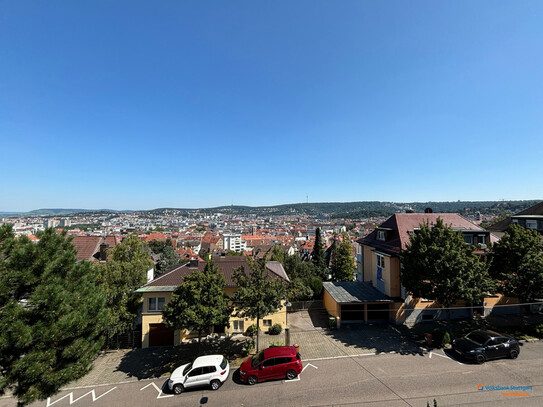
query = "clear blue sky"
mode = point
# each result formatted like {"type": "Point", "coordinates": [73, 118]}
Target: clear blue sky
{"type": "Point", "coordinates": [138, 105]}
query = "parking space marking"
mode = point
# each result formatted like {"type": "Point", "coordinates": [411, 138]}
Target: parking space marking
{"type": "Point", "coordinates": [71, 397]}
{"type": "Point", "coordinates": [297, 378]}
{"type": "Point", "coordinates": [160, 394]}
{"type": "Point", "coordinates": [443, 356]}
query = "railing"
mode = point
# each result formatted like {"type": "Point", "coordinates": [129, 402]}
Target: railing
{"type": "Point", "coordinates": [305, 305]}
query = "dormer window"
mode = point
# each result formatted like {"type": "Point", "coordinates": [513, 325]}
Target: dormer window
{"type": "Point", "coordinates": [381, 235]}
{"type": "Point", "coordinates": [468, 239]}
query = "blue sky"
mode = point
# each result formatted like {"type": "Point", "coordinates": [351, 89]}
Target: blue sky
{"type": "Point", "coordinates": [139, 105]}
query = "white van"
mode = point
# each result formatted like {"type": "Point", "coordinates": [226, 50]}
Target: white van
{"type": "Point", "coordinates": [209, 370]}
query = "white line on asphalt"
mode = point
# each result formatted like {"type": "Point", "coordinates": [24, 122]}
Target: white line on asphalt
{"type": "Point", "coordinates": [443, 356]}
{"type": "Point", "coordinates": [71, 397]}
{"type": "Point", "coordinates": [160, 394]}
{"type": "Point", "coordinates": [345, 356]}
{"type": "Point", "coordinates": [297, 379]}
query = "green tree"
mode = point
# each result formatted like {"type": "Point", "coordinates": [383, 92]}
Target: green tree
{"type": "Point", "coordinates": [168, 259]}
{"type": "Point", "coordinates": [439, 265]}
{"type": "Point", "coordinates": [52, 315]}
{"type": "Point", "coordinates": [259, 293]}
{"type": "Point", "coordinates": [517, 265]}
{"type": "Point", "coordinates": [278, 254]}
{"type": "Point", "coordinates": [317, 256]}
{"type": "Point", "coordinates": [343, 261]}
{"type": "Point", "coordinates": [124, 272]}
{"type": "Point", "coordinates": [199, 303]}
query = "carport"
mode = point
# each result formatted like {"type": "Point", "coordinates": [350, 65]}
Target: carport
{"type": "Point", "coordinates": [356, 302]}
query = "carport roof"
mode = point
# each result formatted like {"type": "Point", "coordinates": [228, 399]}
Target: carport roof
{"type": "Point", "coordinates": [347, 292]}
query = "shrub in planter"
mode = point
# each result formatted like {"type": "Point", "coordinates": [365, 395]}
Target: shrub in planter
{"type": "Point", "coordinates": [251, 330]}
{"type": "Point", "coordinates": [276, 329]}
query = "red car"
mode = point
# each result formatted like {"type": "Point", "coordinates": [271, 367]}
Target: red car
{"type": "Point", "coordinates": [278, 362]}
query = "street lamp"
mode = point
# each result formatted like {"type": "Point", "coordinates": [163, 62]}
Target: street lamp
{"type": "Point", "coordinates": [287, 329]}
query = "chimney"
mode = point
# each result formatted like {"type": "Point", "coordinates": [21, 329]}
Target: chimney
{"type": "Point", "coordinates": [193, 263]}
{"type": "Point", "coordinates": [103, 252]}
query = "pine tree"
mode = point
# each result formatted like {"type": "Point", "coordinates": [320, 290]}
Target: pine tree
{"type": "Point", "coordinates": [317, 256]}
{"type": "Point", "coordinates": [124, 272]}
{"type": "Point", "coordinates": [343, 268]}
{"type": "Point", "coordinates": [259, 293]}
{"type": "Point", "coordinates": [199, 303]}
{"type": "Point", "coordinates": [440, 266]}
{"type": "Point", "coordinates": [52, 315]}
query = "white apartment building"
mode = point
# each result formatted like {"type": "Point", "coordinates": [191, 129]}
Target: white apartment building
{"type": "Point", "coordinates": [233, 242]}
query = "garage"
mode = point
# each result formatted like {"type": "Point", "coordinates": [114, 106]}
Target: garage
{"type": "Point", "coordinates": [356, 302]}
{"type": "Point", "coordinates": [160, 335]}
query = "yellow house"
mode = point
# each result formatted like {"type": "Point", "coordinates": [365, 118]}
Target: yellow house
{"type": "Point", "coordinates": [381, 265]}
{"type": "Point", "coordinates": [157, 293]}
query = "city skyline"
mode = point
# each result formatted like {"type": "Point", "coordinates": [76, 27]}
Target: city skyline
{"type": "Point", "coordinates": [199, 105]}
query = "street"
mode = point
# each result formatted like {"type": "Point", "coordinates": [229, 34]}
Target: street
{"type": "Point", "coordinates": [372, 380]}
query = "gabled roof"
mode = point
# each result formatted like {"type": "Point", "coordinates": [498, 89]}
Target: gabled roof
{"type": "Point", "coordinates": [399, 225]}
{"type": "Point", "coordinates": [227, 266]}
{"type": "Point", "coordinates": [502, 225]}
{"type": "Point", "coordinates": [88, 247]}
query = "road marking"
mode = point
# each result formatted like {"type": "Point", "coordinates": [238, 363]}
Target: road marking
{"type": "Point", "coordinates": [443, 356]}
{"type": "Point", "coordinates": [71, 397]}
{"type": "Point", "coordinates": [297, 378]}
{"type": "Point", "coordinates": [471, 371]}
{"type": "Point", "coordinates": [348, 356]}
{"type": "Point", "coordinates": [160, 394]}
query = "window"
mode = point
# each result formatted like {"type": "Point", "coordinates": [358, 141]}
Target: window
{"type": "Point", "coordinates": [381, 261]}
{"type": "Point", "coordinates": [531, 224]}
{"type": "Point", "coordinates": [209, 369]}
{"type": "Point", "coordinates": [197, 372]}
{"type": "Point", "coordinates": [267, 322]}
{"type": "Point", "coordinates": [481, 239]}
{"type": "Point", "coordinates": [269, 362]}
{"type": "Point", "coordinates": [468, 239]}
{"type": "Point", "coordinates": [381, 235]}
{"type": "Point", "coordinates": [238, 325]}
{"type": "Point", "coordinates": [281, 361]}
{"type": "Point", "coordinates": [156, 304]}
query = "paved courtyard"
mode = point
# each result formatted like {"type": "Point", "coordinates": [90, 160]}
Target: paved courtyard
{"type": "Point", "coordinates": [308, 329]}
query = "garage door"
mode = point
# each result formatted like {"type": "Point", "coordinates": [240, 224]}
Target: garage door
{"type": "Point", "coordinates": [160, 335]}
{"type": "Point", "coordinates": [352, 312]}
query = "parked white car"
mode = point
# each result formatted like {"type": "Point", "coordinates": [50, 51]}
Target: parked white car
{"type": "Point", "coordinates": [209, 370]}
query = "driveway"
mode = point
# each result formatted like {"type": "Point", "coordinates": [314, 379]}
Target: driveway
{"type": "Point", "coordinates": [309, 330]}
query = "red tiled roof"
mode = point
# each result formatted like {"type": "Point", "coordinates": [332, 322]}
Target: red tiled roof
{"type": "Point", "coordinates": [227, 265]}
{"type": "Point", "coordinates": [403, 223]}
{"type": "Point", "coordinates": [89, 246]}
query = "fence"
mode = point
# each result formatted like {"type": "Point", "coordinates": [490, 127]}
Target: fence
{"type": "Point", "coordinates": [126, 340]}
{"type": "Point", "coordinates": [306, 305]}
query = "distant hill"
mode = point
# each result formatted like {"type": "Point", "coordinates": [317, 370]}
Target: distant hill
{"type": "Point", "coordinates": [60, 212]}
{"type": "Point", "coordinates": [362, 209]}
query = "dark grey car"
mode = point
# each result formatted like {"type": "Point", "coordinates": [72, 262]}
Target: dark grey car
{"type": "Point", "coordinates": [480, 346]}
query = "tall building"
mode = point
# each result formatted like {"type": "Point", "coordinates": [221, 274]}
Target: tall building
{"type": "Point", "coordinates": [233, 242]}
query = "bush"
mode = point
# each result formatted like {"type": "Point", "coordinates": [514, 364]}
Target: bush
{"type": "Point", "coordinates": [538, 331]}
{"type": "Point", "coordinates": [276, 343]}
{"type": "Point", "coordinates": [247, 346]}
{"type": "Point", "coordinates": [440, 337]}
{"type": "Point", "coordinates": [276, 329]}
{"type": "Point", "coordinates": [251, 330]}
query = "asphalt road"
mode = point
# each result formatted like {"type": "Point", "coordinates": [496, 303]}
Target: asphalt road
{"type": "Point", "coordinates": [386, 380]}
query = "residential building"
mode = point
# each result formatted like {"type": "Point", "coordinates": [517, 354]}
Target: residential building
{"type": "Point", "coordinates": [158, 292]}
{"type": "Point", "coordinates": [234, 242]}
{"type": "Point", "coordinates": [531, 218]}
{"type": "Point", "coordinates": [379, 266]}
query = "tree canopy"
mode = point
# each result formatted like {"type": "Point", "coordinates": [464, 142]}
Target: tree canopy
{"type": "Point", "coordinates": [259, 293]}
{"type": "Point", "coordinates": [517, 264]}
{"type": "Point", "coordinates": [439, 265]}
{"type": "Point", "coordinates": [200, 302]}
{"type": "Point", "coordinates": [317, 256]}
{"type": "Point", "coordinates": [124, 272]}
{"type": "Point", "coordinates": [343, 268]}
{"type": "Point", "coordinates": [52, 315]}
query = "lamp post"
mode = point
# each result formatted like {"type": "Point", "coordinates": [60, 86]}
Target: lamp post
{"type": "Point", "coordinates": [287, 329]}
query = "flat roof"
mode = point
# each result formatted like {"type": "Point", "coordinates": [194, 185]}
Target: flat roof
{"type": "Point", "coordinates": [347, 292]}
